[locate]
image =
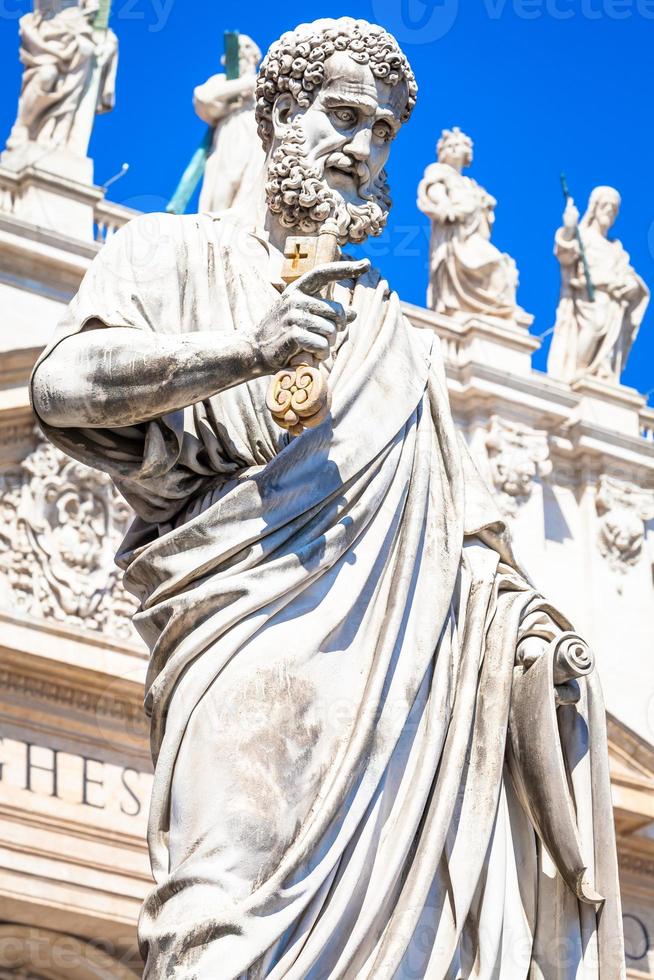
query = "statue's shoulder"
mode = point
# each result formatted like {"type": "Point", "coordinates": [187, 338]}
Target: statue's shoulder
{"type": "Point", "coordinates": [438, 173]}
{"type": "Point", "coordinates": [160, 227]}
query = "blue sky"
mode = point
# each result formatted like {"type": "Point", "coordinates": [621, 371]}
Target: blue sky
{"type": "Point", "coordinates": [540, 85]}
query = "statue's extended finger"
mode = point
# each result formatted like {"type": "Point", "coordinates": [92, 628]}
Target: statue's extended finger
{"type": "Point", "coordinates": [316, 279]}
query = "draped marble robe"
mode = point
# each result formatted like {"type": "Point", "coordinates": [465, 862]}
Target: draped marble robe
{"type": "Point", "coordinates": [69, 76]}
{"type": "Point", "coordinates": [594, 338]}
{"type": "Point", "coordinates": [232, 176]}
{"type": "Point", "coordinates": [333, 622]}
{"type": "Point", "coordinates": [467, 273]}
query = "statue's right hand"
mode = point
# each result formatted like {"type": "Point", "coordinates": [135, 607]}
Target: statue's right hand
{"type": "Point", "coordinates": [302, 321]}
{"type": "Point", "coordinates": [570, 215]}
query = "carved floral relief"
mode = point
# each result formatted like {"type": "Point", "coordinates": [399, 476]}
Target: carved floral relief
{"type": "Point", "coordinates": [517, 455]}
{"type": "Point", "coordinates": [60, 526]}
{"type": "Point", "coordinates": [622, 509]}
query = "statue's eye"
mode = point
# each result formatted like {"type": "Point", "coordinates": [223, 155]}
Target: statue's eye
{"type": "Point", "coordinates": [345, 117]}
{"type": "Point", "coordinates": [383, 131]}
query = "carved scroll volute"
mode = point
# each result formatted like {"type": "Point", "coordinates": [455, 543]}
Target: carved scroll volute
{"type": "Point", "coordinates": [536, 759]}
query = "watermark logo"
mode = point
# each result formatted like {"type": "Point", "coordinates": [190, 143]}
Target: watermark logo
{"type": "Point", "coordinates": [567, 9]}
{"type": "Point", "coordinates": [416, 21]}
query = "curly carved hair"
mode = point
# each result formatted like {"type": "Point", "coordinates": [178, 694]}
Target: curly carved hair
{"type": "Point", "coordinates": [455, 133]}
{"type": "Point", "coordinates": [295, 64]}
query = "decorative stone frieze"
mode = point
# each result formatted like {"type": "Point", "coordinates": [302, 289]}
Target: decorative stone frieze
{"type": "Point", "coordinates": [622, 509]}
{"type": "Point", "coordinates": [60, 525]}
{"type": "Point", "coordinates": [517, 455]}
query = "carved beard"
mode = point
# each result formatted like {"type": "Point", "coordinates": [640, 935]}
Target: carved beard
{"type": "Point", "coordinates": [302, 199]}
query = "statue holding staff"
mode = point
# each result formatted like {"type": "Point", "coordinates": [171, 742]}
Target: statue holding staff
{"type": "Point", "coordinates": [599, 314]}
{"type": "Point", "coordinates": [346, 660]}
{"type": "Point", "coordinates": [235, 163]}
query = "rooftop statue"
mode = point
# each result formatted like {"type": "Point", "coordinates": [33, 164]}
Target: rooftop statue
{"type": "Point", "coordinates": [372, 736]}
{"type": "Point", "coordinates": [69, 76]}
{"type": "Point", "coordinates": [468, 275]}
{"type": "Point", "coordinates": [596, 323]}
{"type": "Point", "coordinates": [235, 165]}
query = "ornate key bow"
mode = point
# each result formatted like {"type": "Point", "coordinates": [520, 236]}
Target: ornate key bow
{"type": "Point", "coordinates": [298, 397]}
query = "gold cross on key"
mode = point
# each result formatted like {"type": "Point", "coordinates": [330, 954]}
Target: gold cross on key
{"type": "Point", "coordinates": [299, 256]}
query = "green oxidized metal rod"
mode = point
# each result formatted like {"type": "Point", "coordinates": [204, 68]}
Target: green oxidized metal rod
{"type": "Point", "coordinates": [582, 250]}
{"type": "Point", "coordinates": [195, 168]}
{"type": "Point", "coordinates": [101, 21]}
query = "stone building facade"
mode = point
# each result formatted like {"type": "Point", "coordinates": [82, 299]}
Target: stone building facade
{"type": "Point", "coordinates": [572, 468]}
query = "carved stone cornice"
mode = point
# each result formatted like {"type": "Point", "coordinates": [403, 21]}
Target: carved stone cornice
{"type": "Point", "coordinates": [67, 695]}
{"type": "Point", "coordinates": [638, 864]}
{"type": "Point", "coordinates": [16, 366]}
{"type": "Point", "coordinates": [630, 746]}
{"type": "Point", "coordinates": [28, 950]}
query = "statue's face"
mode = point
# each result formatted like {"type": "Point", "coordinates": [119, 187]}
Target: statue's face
{"type": "Point", "coordinates": [606, 211]}
{"type": "Point", "coordinates": [350, 125]}
{"type": "Point", "coordinates": [456, 151]}
{"type": "Point", "coordinates": [248, 59]}
{"type": "Point", "coordinates": [91, 8]}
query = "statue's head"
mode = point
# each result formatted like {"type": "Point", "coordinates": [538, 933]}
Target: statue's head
{"type": "Point", "coordinates": [90, 9]}
{"type": "Point", "coordinates": [455, 148]}
{"type": "Point", "coordinates": [603, 208]}
{"type": "Point", "coordinates": [331, 97]}
{"type": "Point", "coordinates": [249, 55]}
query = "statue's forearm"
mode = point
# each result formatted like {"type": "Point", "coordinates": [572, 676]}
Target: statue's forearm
{"type": "Point", "coordinates": [566, 247]}
{"type": "Point", "coordinates": [117, 376]}
{"type": "Point", "coordinates": [212, 100]}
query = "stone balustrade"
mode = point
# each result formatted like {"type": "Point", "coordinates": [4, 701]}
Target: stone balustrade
{"type": "Point", "coordinates": [108, 217]}
{"type": "Point", "coordinates": [8, 191]}
{"type": "Point", "coordinates": [647, 423]}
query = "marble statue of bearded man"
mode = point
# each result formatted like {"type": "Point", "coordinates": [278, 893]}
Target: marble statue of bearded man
{"type": "Point", "coordinates": [593, 337]}
{"type": "Point", "coordinates": [337, 625]}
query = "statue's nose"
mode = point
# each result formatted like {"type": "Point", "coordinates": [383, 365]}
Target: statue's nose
{"type": "Point", "coordinates": [359, 145]}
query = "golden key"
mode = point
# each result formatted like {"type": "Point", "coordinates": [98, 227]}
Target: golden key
{"type": "Point", "coordinates": [298, 397]}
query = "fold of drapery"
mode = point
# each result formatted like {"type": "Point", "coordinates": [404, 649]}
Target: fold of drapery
{"type": "Point", "coordinates": [333, 623]}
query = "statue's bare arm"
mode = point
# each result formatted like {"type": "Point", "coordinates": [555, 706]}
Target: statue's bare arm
{"type": "Point", "coordinates": [117, 376]}
{"type": "Point", "coordinates": [214, 99]}
{"type": "Point", "coordinates": [566, 247]}
{"type": "Point", "coordinates": [433, 199]}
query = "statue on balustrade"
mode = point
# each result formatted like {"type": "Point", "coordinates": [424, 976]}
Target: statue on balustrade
{"type": "Point", "coordinates": [468, 275]}
{"type": "Point", "coordinates": [596, 322]}
{"type": "Point", "coordinates": [69, 76]}
{"type": "Point", "coordinates": [235, 165]}
{"type": "Point", "coordinates": [379, 752]}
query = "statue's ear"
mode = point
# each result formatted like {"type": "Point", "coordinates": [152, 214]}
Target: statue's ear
{"type": "Point", "coordinates": [282, 114]}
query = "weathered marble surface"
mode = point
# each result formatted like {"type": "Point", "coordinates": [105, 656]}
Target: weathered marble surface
{"type": "Point", "coordinates": [594, 338]}
{"type": "Point", "coordinates": [468, 275]}
{"type": "Point", "coordinates": [336, 621]}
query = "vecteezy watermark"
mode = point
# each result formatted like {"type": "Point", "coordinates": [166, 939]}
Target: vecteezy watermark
{"type": "Point", "coordinates": [567, 9]}
{"type": "Point", "coordinates": [153, 13]}
{"type": "Point", "coordinates": [416, 21]}
{"type": "Point", "coordinates": [426, 21]}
